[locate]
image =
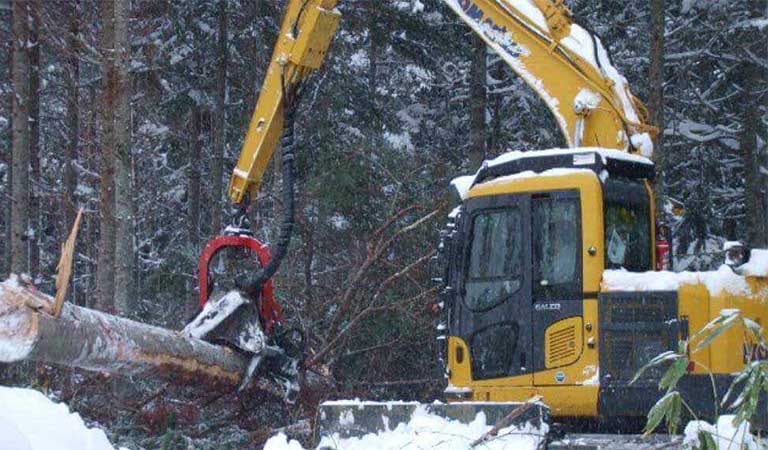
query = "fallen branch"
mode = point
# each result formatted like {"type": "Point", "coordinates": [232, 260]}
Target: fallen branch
{"type": "Point", "coordinates": [507, 421]}
{"type": "Point", "coordinates": [93, 340]}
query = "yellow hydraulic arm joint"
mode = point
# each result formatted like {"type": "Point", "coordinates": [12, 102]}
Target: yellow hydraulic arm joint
{"type": "Point", "coordinates": [567, 67]}
{"type": "Point", "coordinates": [306, 34]}
{"type": "Point", "coordinates": [558, 17]}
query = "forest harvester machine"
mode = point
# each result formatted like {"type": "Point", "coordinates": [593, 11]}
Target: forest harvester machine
{"type": "Point", "coordinates": [552, 266]}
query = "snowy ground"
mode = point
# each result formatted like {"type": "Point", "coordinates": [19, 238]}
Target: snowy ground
{"type": "Point", "coordinates": [427, 431]}
{"type": "Point", "coordinates": [31, 421]}
{"type": "Point", "coordinates": [724, 434]}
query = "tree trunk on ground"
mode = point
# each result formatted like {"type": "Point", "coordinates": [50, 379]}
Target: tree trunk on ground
{"type": "Point", "coordinates": [93, 340]}
{"type": "Point", "coordinates": [193, 189]}
{"type": "Point", "coordinates": [105, 270]}
{"type": "Point", "coordinates": [73, 116]}
{"type": "Point", "coordinates": [124, 257]}
{"type": "Point", "coordinates": [20, 150]}
{"type": "Point", "coordinates": [219, 132]}
{"type": "Point", "coordinates": [477, 103]}
{"type": "Point", "coordinates": [656, 81]}
{"type": "Point", "coordinates": [34, 138]}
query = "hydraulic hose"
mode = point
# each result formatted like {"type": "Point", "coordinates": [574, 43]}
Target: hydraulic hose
{"type": "Point", "coordinates": [253, 284]}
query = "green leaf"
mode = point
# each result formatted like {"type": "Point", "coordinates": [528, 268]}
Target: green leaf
{"type": "Point", "coordinates": [754, 327]}
{"type": "Point", "coordinates": [674, 413]}
{"type": "Point", "coordinates": [706, 441]}
{"type": "Point", "coordinates": [674, 373]}
{"type": "Point", "coordinates": [717, 328]}
{"type": "Point", "coordinates": [657, 360]}
{"type": "Point", "coordinates": [666, 404]}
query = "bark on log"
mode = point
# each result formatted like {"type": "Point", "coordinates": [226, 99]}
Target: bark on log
{"type": "Point", "coordinates": [93, 340]}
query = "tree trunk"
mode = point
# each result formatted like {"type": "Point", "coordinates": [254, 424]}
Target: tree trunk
{"type": "Point", "coordinates": [219, 133]}
{"type": "Point", "coordinates": [656, 81]}
{"type": "Point", "coordinates": [105, 270]}
{"type": "Point", "coordinates": [494, 141]}
{"type": "Point", "coordinates": [73, 116]}
{"type": "Point", "coordinates": [20, 150]}
{"type": "Point", "coordinates": [34, 138]}
{"type": "Point", "coordinates": [751, 76]}
{"type": "Point", "coordinates": [193, 190]}
{"type": "Point", "coordinates": [123, 156]}
{"type": "Point", "coordinates": [757, 234]}
{"type": "Point", "coordinates": [93, 340]}
{"type": "Point", "coordinates": [5, 201]}
{"type": "Point", "coordinates": [375, 47]}
{"type": "Point", "coordinates": [477, 103]}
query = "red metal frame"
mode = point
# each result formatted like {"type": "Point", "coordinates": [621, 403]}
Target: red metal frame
{"type": "Point", "coordinates": [269, 310]}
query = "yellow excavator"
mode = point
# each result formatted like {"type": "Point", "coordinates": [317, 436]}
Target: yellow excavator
{"type": "Point", "coordinates": [550, 275]}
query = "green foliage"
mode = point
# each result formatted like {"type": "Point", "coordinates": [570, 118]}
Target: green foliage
{"type": "Point", "coordinates": [706, 441]}
{"type": "Point", "coordinates": [668, 408]}
{"type": "Point", "coordinates": [744, 393]}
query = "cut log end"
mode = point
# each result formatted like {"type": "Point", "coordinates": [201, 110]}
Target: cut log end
{"type": "Point", "coordinates": [18, 326]}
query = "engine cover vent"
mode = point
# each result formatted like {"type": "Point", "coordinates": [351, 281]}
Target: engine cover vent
{"type": "Point", "coordinates": [563, 343]}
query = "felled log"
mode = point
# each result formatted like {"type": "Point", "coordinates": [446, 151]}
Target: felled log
{"type": "Point", "coordinates": [93, 340]}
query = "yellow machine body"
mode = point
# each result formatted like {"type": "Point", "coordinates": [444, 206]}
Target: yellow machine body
{"type": "Point", "coordinates": [571, 72]}
{"type": "Point", "coordinates": [570, 381]}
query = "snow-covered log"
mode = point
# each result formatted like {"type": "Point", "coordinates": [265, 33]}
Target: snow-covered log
{"type": "Point", "coordinates": [93, 340]}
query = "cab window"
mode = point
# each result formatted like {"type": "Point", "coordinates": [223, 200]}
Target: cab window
{"type": "Point", "coordinates": [627, 227]}
{"type": "Point", "coordinates": [556, 232]}
{"type": "Point", "coordinates": [494, 268]}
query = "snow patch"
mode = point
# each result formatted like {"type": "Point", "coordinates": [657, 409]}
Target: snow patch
{"type": "Point", "coordinates": [721, 280]}
{"type": "Point", "coordinates": [400, 141]}
{"type": "Point", "coordinates": [757, 266]}
{"type": "Point", "coordinates": [644, 143]}
{"type": "Point", "coordinates": [725, 434]}
{"type": "Point", "coordinates": [530, 174]}
{"type": "Point", "coordinates": [586, 100]}
{"type": "Point", "coordinates": [428, 431]}
{"type": "Point", "coordinates": [31, 421]}
{"type": "Point", "coordinates": [462, 185]}
{"type": "Point", "coordinates": [604, 153]}
{"type": "Point", "coordinates": [339, 222]}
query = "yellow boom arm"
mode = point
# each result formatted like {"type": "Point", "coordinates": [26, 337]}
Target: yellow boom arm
{"type": "Point", "coordinates": [565, 64]}
{"type": "Point", "coordinates": [307, 31]}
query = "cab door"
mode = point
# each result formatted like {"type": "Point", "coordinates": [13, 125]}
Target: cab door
{"type": "Point", "coordinates": [557, 287]}
{"type": "Point", "coordinates": [494, 301]}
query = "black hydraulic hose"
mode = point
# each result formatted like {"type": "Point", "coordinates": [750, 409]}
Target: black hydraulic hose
{"type": "Point", "coordinates": [253, 284]}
